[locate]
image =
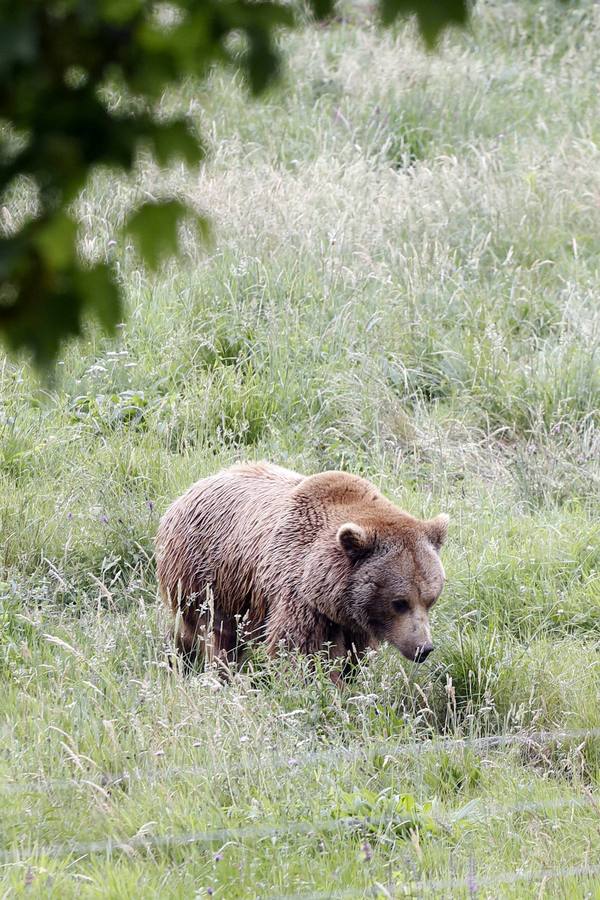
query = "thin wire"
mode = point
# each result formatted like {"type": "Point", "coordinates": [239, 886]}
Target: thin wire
{"type": "Point", "coordinates": [472, 811]}
{"type": "Point", "coordinates": [472, 883]}
{"type": "Point", "coordinates": [219, 835]}
{"type": "Point", "coordinates": [411, 748]}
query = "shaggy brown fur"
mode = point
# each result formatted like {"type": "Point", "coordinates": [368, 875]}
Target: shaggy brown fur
{"type": "Point", "coordinates": [303, 562]}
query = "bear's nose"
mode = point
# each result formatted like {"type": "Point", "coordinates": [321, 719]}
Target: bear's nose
{"type": "Point", "coordinates": [423, 652]}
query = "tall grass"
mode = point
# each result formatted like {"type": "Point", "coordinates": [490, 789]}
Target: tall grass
{"type": "Point", "coordinates": [404, 285]}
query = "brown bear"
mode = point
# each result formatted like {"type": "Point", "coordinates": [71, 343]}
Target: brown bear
{"type": "Point", "coordinates": [323, 561]}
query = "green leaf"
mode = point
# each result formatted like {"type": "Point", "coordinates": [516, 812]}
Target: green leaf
{"type": "Point", "coordinates": [261, 60]}
{"type": "Point", "coordinates": [101, 295]}
{"type": "Point", "coordinates": [120, 10]}
{"type": "Point", "coordinates": [12, 250]}
{"type": "Point", "coordinates": [432, 15]}
{"type": "Point", "coordinates": [203, 228]}
{"type": "Point", "coordinates": [47, 310]}
{"type": "Point", "coordinates": [55, 240]}
{"type": "Point", "coordinates": [19, 37]}
{"type": "Point", "coordinates": [174, 140]}
{"type": "Point", "coordinates": [154, 229]}
{"type": "Point", "coordinates": [322, 8]}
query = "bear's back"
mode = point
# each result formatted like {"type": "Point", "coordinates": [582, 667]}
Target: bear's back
{"type": "Point", "coordinates": [213, 535]}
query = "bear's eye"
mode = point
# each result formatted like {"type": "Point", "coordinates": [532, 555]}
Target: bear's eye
{"type": "Point", "coordinates": [400, 606]}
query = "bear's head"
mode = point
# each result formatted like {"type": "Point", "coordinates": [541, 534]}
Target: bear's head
{"type": "Point", "coordinates": [394, 576]}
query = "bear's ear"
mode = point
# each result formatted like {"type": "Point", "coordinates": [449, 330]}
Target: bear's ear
{"type": "Point", "coordinates": [354, 541]}
{"type": "Point", "coordinates": [437, 530]}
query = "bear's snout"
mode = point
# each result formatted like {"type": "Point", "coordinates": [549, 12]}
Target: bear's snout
{"type": "Point", "coordinates": [423, 652]}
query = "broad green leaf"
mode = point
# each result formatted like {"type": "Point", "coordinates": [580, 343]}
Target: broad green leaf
{"type": "Point", "coordinates": [204, 232]}
{"type": "Point", "coordinates": [55, 240]}
{"type": "Point", "coordinates": [322, 8]}
{"type": "Point", "coordinates": [154, 229]}
{"type": "Point", "coordinates": [174, 140]}
{"type": "Point", "coordinates": [120, 10]}
{"type": "Point", "coordinates": [262, 61]}
{"type": "Point", "coordinates": [12, 249]}
{"type": "Point", "coordinates": [432, 15]}
{"type": "Point", "coordinates": [40, 320]}
{"type": "Point", "coordinates": [101, 294]}
{"type": "Point", "coordinates": [19, 36]}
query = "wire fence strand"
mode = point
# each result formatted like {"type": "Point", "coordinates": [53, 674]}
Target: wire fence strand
{"type": "Point", "coordinates": [473, 811]}
{"type": "Point", "coordinates": [286, 761]}
{"type": "Point", "coordinates": [471, 883]}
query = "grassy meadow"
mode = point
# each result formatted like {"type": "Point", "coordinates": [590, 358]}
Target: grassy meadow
{"type": "Point", "coordinates": [404, 283]}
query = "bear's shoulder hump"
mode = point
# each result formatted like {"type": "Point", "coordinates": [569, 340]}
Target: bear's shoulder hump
{"type": "Point", "coordinates": [337, 488]}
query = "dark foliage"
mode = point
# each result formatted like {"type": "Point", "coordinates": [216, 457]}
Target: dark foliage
{"type": "Point", "coordinates": [58, 59]}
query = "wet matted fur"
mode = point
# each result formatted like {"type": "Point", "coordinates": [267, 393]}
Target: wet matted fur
{"type": "Point", "coordinates": [258, 552]}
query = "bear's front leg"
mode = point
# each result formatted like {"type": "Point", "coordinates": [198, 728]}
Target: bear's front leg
{"type": "Point", "coordinates": [295, 625]}
{"type": "Point", "coordinates": [221, 644]}
{"type": "Point", "coordinates": [299, 627]}
{"type": "Point", "coordinates": [351, 647]}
